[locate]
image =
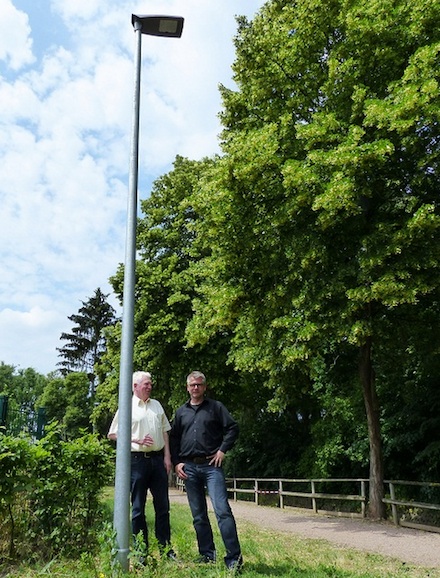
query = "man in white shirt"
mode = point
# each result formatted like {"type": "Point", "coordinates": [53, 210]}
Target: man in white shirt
{"type": "Point", "coordinates": [150, 461]}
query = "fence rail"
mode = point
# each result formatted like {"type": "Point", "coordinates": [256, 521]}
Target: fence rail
{"type": "Point", "coordinates": [409, 519]}
{"type": "Point", "coordinates": [314, 494]}
{"type": "Point", "coordinates": [315, 498]}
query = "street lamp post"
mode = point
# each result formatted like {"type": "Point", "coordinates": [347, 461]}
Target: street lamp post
{"type": "Point", "coordinates": [171, 27]}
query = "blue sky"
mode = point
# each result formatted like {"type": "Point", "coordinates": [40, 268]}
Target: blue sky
{"type": "Point", "coordinates": [66, 92]}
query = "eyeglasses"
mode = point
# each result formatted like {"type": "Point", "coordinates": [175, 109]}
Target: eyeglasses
{"type": "Point", "coordinates": [196, 385]}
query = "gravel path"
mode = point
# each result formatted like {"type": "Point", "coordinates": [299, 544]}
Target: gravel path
{"type": "Point", "coordinates": [412, 546]}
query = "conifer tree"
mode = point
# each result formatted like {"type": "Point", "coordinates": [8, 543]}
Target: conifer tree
{"type": "Point", "coordinates": [86, 342]}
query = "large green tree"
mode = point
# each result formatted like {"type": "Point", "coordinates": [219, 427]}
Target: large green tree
{"type": "Point", "coordinates": [167, 280]}
{"type": "Point", "coordinates": [323, 212]}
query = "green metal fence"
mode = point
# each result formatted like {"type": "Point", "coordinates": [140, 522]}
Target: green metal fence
{"type": "Point", "coordinates": [14, 422]}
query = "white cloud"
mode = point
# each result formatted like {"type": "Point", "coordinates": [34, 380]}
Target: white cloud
{"type": "Point", "coordinates": [64, 145]}
{"type": "Point", "coordinates": [78, 10]}
{"type": "Point", "coordinates": [15, 40]}
{"type": "Point", "coordinates": [27, 336]}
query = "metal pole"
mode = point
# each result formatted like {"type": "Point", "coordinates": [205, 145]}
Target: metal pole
{"type": "Point", "coordinates": [123, 464]}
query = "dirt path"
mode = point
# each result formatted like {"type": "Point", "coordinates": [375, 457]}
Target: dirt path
{"type": "Point", "coordinates": [405, 544]}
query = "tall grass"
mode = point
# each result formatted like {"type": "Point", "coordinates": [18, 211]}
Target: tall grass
{"type": "Point", "coordinates": [266, 553]}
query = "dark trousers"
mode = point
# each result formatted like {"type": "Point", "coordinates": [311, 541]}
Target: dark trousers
{"type": "Point", "coordinates": [149, 473]}
{"type": "Point", "coordinates": [213, 479]}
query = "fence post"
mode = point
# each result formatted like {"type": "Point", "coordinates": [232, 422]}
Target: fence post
{"type": "Point", "coordinates": [256, 492]}
{"type": "Point", "coordinates": [363, 495]}
{"type": "Point", "coordinates": [41, 422]}
{"type": "Point", "coordinates": [3, 410]}
{"type": "Point", "coordinates": [314, 505]}
{"type": "Point", "coordinates": [394, 506]}
{"type": "Point", "coordinates": [280, 493]}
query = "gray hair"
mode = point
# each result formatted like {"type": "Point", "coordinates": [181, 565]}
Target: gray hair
{"type": "Point", "coordinates": [139, 375]}
{"type": "Point", "coordinates": [197, 375]}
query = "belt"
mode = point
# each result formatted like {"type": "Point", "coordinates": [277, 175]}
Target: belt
{"type": "Point", "coordinates": [147, 454]}
{"type": "Point", "coordinates": [198, 459]}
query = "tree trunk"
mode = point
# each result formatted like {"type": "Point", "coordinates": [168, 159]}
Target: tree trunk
{"type": "Point", "coordinates": [376, 506]}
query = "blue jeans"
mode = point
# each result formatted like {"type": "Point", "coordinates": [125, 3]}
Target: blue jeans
{"type": "Point", "coordinates": [149, 473]}
{"type": "Point", "coordinates": [213, 479]}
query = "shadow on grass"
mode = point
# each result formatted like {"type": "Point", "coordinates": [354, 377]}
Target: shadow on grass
{"type": "Point", "coordinates": [290, 570]}
{"type": "Point", "coordinates": [280, 569]}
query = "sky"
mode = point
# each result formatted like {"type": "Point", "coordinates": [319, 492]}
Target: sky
{"type": "Point", "coordinates": [66, 100]}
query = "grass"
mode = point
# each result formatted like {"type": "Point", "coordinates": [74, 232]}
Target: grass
{"type": "Point", "coordinates": [267, 553]}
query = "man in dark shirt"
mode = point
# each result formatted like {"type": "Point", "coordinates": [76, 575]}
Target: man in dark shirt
{"type": "Point", "coordinates": [202, 432]}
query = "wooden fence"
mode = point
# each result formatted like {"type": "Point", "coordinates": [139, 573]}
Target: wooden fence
{"type": "Point", "coordinates": [348, 498]}
{"type": "Point", "coordinates": [411, 517]}
{"type": "Point", "coordinates": [313, 494]}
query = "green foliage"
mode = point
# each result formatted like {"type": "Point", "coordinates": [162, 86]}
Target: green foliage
{"type": "Point", "coordinates": [50, 493]}
{"type": "Point", "coordinates": [17, 462]}
{"type": "Point", "coordinates": [323, 213]}
{"type": "Point", "coordinates": [165, 290]}
{"type": "Point", "coordinates": [411, 405]}
{"type": "Point", "coordinates": [67, 401]}
{"type": "Point", "coordinates": [107, 370]}
{"type": "Point", "coordinates": [22, 387]}
{"type": "Point", "coordinates": [300, 270]}
{"type": "Point", "coordinates": [261, 450]}
{"type": "Point", "coordinates": [340, 210]}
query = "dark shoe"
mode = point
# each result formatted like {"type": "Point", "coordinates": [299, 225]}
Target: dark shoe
{"type": "Point", "coordinates": [236, 566]}
{"type": "Point", "coordinates": [171, 555]}
{"type": "Point", "coordinates": [205, 560]}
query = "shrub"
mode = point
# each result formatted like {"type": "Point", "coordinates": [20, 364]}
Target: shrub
{"type": "Point", "coordinates": [16, 467]}
{"type": "Point", "coordinates": [50, 492]}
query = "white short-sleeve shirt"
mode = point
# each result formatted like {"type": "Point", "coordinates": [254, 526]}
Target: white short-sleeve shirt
{"type": "Point", "coordinates": [146, 418]}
